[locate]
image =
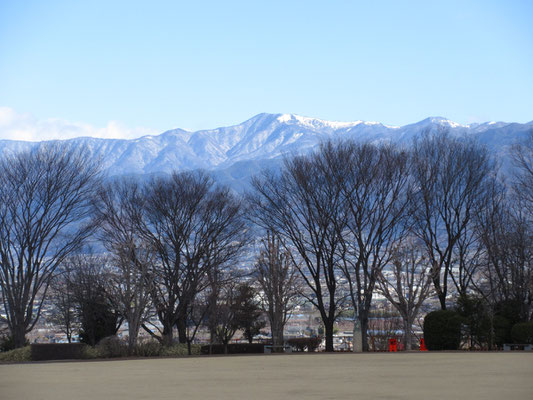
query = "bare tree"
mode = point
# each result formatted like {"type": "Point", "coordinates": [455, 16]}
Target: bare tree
{"type": "Point", "coordinates": [467, 261]}
{"type": "Point", "coordinates": [46, 196]}
{"type": "Point", "coordinates": [278, 279]}
{"type": "Point", "coordinates": [406, 285]}
{"type": "Point", "coordinates": [302, 204]}
{"type": "Point", "coordinates": [118, 211]}
{"type": "Point", "coordinates": [507, 237]}
{"type": "Point", "coordinates": [450, 183]}
{"type": "Point", "coordinates": [218, 295]}
{"type": "Point", "coordinates": [523, 160]}
{"type": "Point", "coordinates": [374, 182]}
{"type": "Point", "coordinates": [208, 308]}
{"type": "Point", "coordinates": [193, 226]}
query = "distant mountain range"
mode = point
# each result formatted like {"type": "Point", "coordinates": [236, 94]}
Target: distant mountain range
{"type": "Point", "coordinates": [234, 153]}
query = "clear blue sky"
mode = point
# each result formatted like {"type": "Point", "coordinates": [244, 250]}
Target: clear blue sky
{"type": "Point", "coordinates": [203, 64]}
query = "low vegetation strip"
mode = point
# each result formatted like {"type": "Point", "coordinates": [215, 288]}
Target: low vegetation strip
{"type": "Point", "coordinates": [46, 352]}
{"type": "Point", "coordinates": [18, 355]}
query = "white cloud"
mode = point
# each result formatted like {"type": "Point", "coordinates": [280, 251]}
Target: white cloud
{"type": "Point", "coordinates": [25, 126]}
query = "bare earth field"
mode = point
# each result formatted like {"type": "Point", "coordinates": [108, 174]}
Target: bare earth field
{"type": "Point", "coordinates": [298, 376]}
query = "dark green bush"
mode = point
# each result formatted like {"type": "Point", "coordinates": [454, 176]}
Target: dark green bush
{"type": "Point", "coordinates": [98, 321]}
{"type": "Point", "coordinates": [510, 310]}
{"type": "Point", "coordinates": [502, 330]}
{"type": "Point", "coordinates": [508, 314]}
{"type": "Point", "coordinates": [476, 321]}
{"type": "Point", "coordinates": [442, 330]}
{"type": "Point", "coordinates": [522, 332]}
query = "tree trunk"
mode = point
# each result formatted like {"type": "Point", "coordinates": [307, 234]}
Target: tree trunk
{"type": "Point", "coordinates": [364, 330]}
{"type": "Point", "coordinates": [276, 328]}
{"type": "Point", "coordinates": [407, 337]}
{"type": "Point", "coordinates": [69, 333]}
{"type": "Point", "coordinates": [167, 337]}
{"type": "Point", "coordinates": [133, 332]}
{"type": "Point", "coordinates": [19, 335]}
{"type": "Point", "coordinates": [211, 339]}
{"type": "Point", "coordinates": [277, 337]}
{"type": "Point", "coordinates": [181, 324]}
{"type": "Point", "coordinates": [357, 345]}
{"type": "Point", "coordinates": [328, 329]}
{"type": "Point", "coordinates": [442, 300]}
{"type": "Point", "coordinates": [440, 294]}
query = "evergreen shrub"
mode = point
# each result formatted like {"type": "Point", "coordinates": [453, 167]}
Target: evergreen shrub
{"type": "Point", "coordinates": [442, 330]}
{"type": "Point", "coordinates": [522, 333]}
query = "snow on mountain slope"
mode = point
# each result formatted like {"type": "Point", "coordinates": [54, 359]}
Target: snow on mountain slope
{"type": "Point", "coordinates": [236, 152]}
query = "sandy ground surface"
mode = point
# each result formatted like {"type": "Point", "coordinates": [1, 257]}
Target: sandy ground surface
{"type": "Point", "coordinates": [303, 376]}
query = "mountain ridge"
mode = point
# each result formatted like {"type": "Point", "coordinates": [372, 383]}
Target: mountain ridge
{"type": "Point", "coordinates": [262, 139]}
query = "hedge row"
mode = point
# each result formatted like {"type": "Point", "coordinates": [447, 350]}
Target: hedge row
{"type": "Point", "coordinates": [110, 347]}
{"type": "Point", "coordinates": [234, 348]}
{"type": "Point", "coordinates": [57, 351]}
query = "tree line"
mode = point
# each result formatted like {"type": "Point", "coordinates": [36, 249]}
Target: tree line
{"type": "Point", "coordinates": [335, 228]}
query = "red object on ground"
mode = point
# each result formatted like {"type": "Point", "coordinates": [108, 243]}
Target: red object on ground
{"type": "Point", "coordinates": [423, 345]}
{"type": "Point", "coordinates": [393, 345]}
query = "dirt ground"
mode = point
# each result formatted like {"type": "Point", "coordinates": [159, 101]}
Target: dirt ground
{"type": "Point", "coordinates": [297, 376]}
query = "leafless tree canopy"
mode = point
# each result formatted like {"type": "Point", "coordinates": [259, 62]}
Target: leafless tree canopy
{"type": "Point", "coordinates": [374, 185]}
{"type": "Point", "coordinates": [46, 195]}
{"type": "Point", "coordinates": [506, 234]}
{"type": "Point", "coordinates": [523, 160]}
{"type": "Point", "coordinates": [450, 184]}
{"type": "Point", "coordinates": [193, 226]}
{"type": "Point", "coordinates": [302, 204]}
{"type": "Point", "coordinates": [118, 211]}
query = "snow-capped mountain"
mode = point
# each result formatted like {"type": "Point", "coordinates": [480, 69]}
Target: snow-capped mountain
{"type": "Point", "coordinates": [236, 152]}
